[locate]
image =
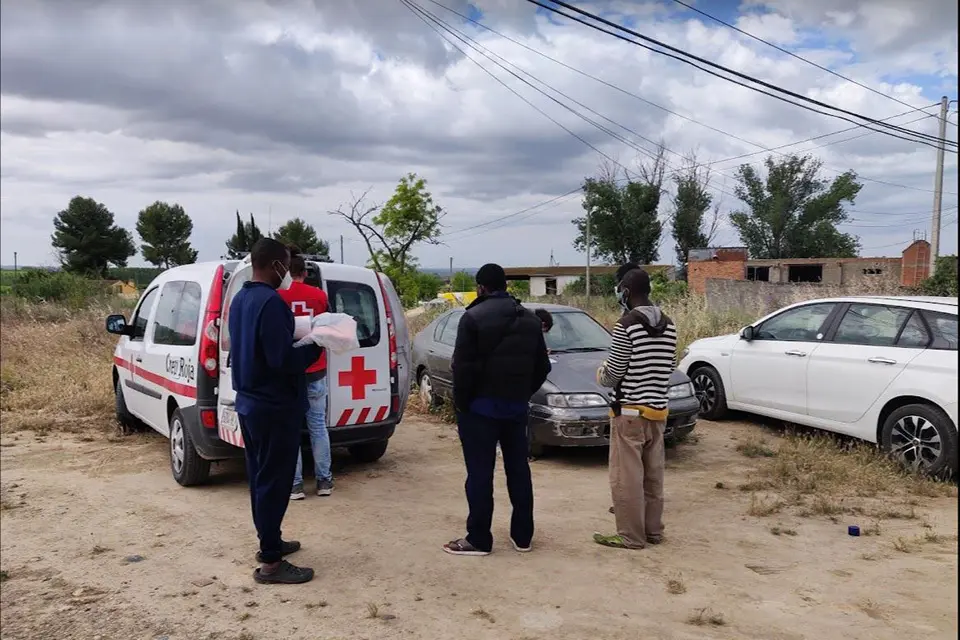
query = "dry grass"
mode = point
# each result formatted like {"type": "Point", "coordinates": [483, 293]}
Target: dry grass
{"type": "Point", "coordinates": [55, 368]}
{"type": "Point", "coordinates": [706, 617]}
{"type": "Point", "coordinates": [780, 530]}
{"type": "Point", "coordinates": [676, 585]}
{"type": "Point", "coordinates": [755, 447]}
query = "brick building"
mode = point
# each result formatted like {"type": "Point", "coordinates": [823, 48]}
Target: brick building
{"type": "Point", "coordinates": [732, 263]}
{"type": "Point", "coordinates": [551, 281]}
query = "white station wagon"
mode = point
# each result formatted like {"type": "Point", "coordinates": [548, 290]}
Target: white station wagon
{"type": "Point", "coordinates": [882, 369]}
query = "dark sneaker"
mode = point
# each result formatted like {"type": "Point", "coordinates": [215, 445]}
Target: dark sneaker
{"type": "Point", "coordinates": [285, 573]}
{"type": "Point", "coordinates": [463, 548]}
{"type": "Point", "coordinates": [286, 548]}
{"type": "Point", "coordinates": [324, 487]}
{"type": "Point", "coordinates": [297, 492]}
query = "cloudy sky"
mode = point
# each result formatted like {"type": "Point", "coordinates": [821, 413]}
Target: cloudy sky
{"type": "Point", "coordinates": [285, 108]}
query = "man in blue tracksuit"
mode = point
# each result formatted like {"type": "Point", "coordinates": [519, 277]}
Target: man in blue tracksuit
{"type": "Point", "coordinates": [269, 378]}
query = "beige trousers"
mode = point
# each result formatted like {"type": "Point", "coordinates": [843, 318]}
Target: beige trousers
{"type": "Point", "coordinates": [636, 477]}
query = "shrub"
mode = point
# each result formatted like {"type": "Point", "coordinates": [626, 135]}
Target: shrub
{"type": "Point", "coordinates": [944, 280]}
{"type": "Point", "coordinates": [37, 285]}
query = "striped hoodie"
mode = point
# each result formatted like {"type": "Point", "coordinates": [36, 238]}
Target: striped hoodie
{"type": "Point", "coordinates": [642, 358]}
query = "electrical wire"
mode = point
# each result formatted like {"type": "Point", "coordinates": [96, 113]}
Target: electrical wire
{"type": "Point", "coordinates": [900, 244]}
{"type": "Point", "coordinates": [886, 128]}
{"type": "Point", "coordinates": [707, 126]}
{"type": "Point", "coordinates": [801, 58]}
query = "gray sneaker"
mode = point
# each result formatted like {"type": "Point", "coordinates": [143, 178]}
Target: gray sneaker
{"type": "Point", "coordinates": [297, 492]}
{"type": "Point", "coordinates": [324, 487]}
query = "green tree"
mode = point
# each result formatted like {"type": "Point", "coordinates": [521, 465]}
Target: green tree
{"type": "Point", "coordinates": [462, 281]}
{"type": "Point", "coordinates": [944, 280]}
{"type": "Point", "coordinates": [428, 285]}
{"type": "Point", "coordinates": [410, 217]}
{"type": "Point", "coordinates": [691, 204]}
{"type": "Point", "coordinates": [165, 230]}
{"type": "Point", "coordinates": [242, 241]}
{"type": "Point", "coordinates": [87, 239]}
{"type": "Point", "coordinates": [298, 232]}
{"type": "Point", "coordinates": [623, 215]}
{"type": "Point", "coordinates": [794, 213]}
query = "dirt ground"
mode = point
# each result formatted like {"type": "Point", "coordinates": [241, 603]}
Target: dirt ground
{"type": "Point", "coordinates": [99, 542]}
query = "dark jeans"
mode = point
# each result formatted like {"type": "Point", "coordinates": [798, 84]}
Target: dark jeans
{"type": "Point", "coordinates": [271, 445]}
{"type": "Point", "coordinates": [479, 436]}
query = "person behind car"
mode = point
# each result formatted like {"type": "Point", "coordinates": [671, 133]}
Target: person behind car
{"type": "Point", "coordinates": [499, 361]}
{"type": "Point", "coordinates": [546, 319]}
{"type": "Point", "coordinates": [306, 300]}
{"type": "Point", "coordinates": [269, 377]}
{"type": "Point", "coordinates": [642, 357]}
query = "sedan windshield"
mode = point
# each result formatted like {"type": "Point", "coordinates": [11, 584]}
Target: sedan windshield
{"type": "Point", "coordinates": [576, 331]}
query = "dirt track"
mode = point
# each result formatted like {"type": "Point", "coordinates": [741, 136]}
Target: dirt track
{"type": "Point", "coordinates": [76, 514]}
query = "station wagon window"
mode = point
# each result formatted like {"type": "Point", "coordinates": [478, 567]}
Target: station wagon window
{"type": "Point", "coordinates": [449, 334]}
{"type": "Point", "coordinates": [360, 302]}
{"type": "Point", "coordinates": [178, 313]}
{"type": "Point", "coordinates": [944, 328]}
{"type": "Point", "coordinates": [140, 317]}
{"type": "Point", "coordinates": [801, 324]}
{"type": "Point", "coordinates": [872, 325]}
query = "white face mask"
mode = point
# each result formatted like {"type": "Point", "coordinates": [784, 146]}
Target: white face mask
{"type": "Point", "coordinates": [285, 281]}
{"type": "Point", "coordinates": [623, 298]}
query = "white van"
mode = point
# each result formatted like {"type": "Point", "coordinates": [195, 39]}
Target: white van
{"type": "Point", "coordinates": [172, 363]}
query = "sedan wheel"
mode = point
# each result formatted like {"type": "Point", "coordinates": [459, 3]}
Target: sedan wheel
{"type": "Point", "coordinates": [710, 393]}
{"type": "Point", "coordinates": [426, 391]}
{"type": "Point", "coordinates": [921, 438]}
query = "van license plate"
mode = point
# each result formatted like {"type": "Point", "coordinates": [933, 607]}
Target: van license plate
{"type": "Point", "coordinates": [228, 418]}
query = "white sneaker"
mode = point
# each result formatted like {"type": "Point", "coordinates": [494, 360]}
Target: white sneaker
{"type": "Point", "coordinates": [519, 548]}
{"type": "Point", "coordinates": [297, 492]}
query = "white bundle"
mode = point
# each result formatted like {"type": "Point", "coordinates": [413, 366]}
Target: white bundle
{"type": "Point", "coordinates": [334, 331]}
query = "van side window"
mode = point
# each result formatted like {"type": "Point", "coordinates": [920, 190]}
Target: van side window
{"type": "Point", "coordinates": [142, 314]}
{"type": "Point", "coordinates": [178, 313]}
{"type": "Point", "coordinates": [360, 302]}
{"type": "Point", "coordinates": [241, 277]}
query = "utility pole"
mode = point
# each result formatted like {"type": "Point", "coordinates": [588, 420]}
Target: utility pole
{"type": "Point", "coordinates": [14, 265]}
{"type": "Point", "coordinates": [451, 273]}
{"type": "Point", "coordinates": [588, 254]}
{"type": "Point", "coordinates": [341, 249]}
{"type": "Point", "coordinates": [938, 188]}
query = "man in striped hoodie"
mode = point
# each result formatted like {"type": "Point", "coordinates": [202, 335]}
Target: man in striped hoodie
{"type": "Point", "coordinates": [642, 357]}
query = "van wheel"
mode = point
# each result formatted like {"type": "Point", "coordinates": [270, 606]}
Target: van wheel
{"type": "Point", "coordinates": [922, 438]}
{"type": "Point", "coordinates": [710, 392]}
{"type": "Point", "coordinates": [186, 464]}
{"type": "Point", "coordinates": [368, 451]}
{"type": "Point", "coordinates": [126, 420]}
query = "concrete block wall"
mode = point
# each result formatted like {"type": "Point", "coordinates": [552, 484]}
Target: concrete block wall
{"type": "Point", "coordinates": [699, 272]}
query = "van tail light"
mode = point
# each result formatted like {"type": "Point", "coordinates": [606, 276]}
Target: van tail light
{"type": "Point", "coordinates": [394, 357]}
{"type": "Point", "coordinates": [208, 418]}
{"type": "Point", "coordinates": [210, 336]}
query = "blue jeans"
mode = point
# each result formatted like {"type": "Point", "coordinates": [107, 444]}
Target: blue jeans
{"type": "Point", "coordinates": [319, 437]}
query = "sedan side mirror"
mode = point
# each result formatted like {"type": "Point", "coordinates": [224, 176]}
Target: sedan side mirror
{"type": "Point", "coordinates": [117, 325]}
{"type": "Point", "coordinates": [747, 333]}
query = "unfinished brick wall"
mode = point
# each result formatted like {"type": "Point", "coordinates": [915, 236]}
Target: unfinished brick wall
{"type": "Point", "coordinates": [699, 272]}
{"type": "Point", "coordinates": [916, 264]}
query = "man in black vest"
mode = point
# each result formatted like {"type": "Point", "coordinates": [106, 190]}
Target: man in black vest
{"type": "Point", "coordinates": [499, 361]}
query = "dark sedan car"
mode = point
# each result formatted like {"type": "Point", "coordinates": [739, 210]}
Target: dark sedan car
{"type": "Point", "coordinates": [570, 409]}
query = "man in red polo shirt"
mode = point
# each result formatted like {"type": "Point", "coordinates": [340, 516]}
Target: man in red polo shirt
{"type": "Point", "coordinates": [307, 300]}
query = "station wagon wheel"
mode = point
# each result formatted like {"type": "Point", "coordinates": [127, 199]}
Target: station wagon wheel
{"type": "Point", "coordinates": [710, 392]}
{"type": "Point", "coordinates": [921, 438]}
{"type": "Point", "coordinates": [186, 464]}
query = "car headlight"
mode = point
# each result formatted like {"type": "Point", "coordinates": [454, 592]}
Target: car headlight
{"type": "Point", "coordinates": [684, 390]}
{"type": "Point", "coordinates": [685, 353]}
{"type": "Point", "coordinates": [576, 400]}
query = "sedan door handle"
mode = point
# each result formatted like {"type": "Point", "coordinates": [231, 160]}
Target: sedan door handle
{"type": "Point", "coordinates": [878, 360]}
{"type": "Point", "coordinates": [138, 359]}
{"type": "Point", "coordinates": [798, 354]}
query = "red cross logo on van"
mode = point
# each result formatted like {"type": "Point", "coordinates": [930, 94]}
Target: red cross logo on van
{"type": "Point", "coordinates": [358, 378]}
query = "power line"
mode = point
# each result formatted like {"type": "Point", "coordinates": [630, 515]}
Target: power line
{"type": "Point", "coordinates": [900, 244]}
{"type": "Point", "coordinates": [921, 138]}
{"type": "Point", "coordinates": [694, 121]}
{"type": "Point", "coordinates": [799, 57]}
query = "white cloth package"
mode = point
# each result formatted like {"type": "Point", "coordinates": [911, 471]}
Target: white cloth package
{"type": "Point", "coordinates": [334, 331]}
{"type": "Point", "coordinates": [301, 327]}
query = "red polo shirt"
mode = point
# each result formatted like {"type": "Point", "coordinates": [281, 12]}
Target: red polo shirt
{"type": "Point", "coordinates": [306, 300]}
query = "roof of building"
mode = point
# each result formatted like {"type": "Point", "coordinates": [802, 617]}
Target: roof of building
{"type": "Point", "coordinates": [553, 272]}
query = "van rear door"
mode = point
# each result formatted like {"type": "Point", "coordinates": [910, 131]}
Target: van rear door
{"type": "Point", "coordinates": [228, 425]}
{"type": "Point", "coordinates": [359, 380]}
{"type": "Point", "coordinates": [403, 341]}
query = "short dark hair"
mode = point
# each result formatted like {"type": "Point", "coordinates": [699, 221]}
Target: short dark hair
{"type": "Point", "coordinates": [545, 318]}
{"type": "Point", "coordinates": [637, 281]}
{"type": "Point", "coordinates": [298, 266]}
{"type": "Point", "coordinates": [266, 251]}
{"type": "Point", "coordinates": [624, 269]}
{"type": "Point", "coordinates": [492, 277]}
